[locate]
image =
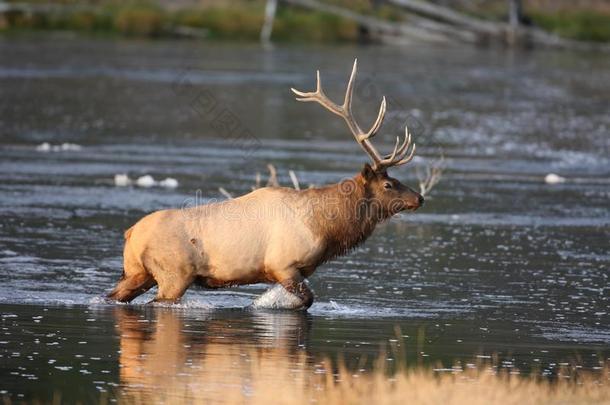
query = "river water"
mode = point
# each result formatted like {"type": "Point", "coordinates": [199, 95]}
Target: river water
{"type": "Point", "coordinates": [498, 263]}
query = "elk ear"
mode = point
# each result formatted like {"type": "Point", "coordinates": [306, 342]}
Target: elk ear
{"type": "Point", "coordinates": [367, 172]}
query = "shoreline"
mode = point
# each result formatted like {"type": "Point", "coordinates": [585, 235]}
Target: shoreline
{"type": "Point", "coordinates": [244, 21]}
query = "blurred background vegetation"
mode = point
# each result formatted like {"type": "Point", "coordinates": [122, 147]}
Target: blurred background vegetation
{"type": "Point", "coordinates": [587, 20]}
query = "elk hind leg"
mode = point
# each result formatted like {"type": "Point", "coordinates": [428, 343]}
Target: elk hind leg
{"type": "Point", "coordinates": [134, 282]}
{"type": "Point", "coordinates": [132, 286]}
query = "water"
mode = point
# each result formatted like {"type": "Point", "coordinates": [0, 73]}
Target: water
{"type": "Point", "coordinates": [496, 263]}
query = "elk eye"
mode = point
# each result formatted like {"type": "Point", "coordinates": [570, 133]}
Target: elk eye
{"type": "Point", "coordinates": [387, 186]}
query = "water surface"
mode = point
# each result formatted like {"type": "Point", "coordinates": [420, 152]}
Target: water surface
{"type": "Point", "coordinates": [496, 262]}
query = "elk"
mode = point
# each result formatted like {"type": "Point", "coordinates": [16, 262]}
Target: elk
{"type": "Point", "coordinates": [273, 234]}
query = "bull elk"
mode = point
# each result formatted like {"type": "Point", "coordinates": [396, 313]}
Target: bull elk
{"type": "Point", "coordinates": [273, 234]}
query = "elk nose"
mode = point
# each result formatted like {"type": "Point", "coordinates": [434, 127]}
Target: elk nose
{"type": "Point", "coordinates": [421, 200]}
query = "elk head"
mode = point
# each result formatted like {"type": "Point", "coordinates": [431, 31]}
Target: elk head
{"type": "Point", "coordinates": [390, 194]}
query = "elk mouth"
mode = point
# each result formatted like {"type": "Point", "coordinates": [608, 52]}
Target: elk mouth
{"type": "Point", "coordinates": [416, 205]}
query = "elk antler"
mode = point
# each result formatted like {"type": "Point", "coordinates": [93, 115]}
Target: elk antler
{"type": "Point", "coordinates": [430, 176]}
{"type": "Point", "coordinates": [402, 153]}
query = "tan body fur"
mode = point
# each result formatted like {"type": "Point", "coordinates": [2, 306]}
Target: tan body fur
{"type": "Point", "coordinates": [269, 235]}
{"type": "Point", "coordinates": [233, 242]}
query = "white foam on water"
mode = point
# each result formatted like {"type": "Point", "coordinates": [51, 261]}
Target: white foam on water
{"type": "Point", "coordinates": [98, 300]}
{"type": "Point", "coordinates": [146, 181]}
{"type": "Point", "coordinates": [276, 298]}
{"type": "Point", "coordinates": [187, 304]}
{"type": "Point", "coordinates": [168, 183]}
{"type": "Point", "coordinates": [64, 147]}
{"type": "Point", "coordinates": [333, 308]}
{"type": "Point", "coordinates": [183, 304]}
{"type": "Point", "coordinates": [553, 178]}
{"type": "Point", "coordinates": [122, 180]}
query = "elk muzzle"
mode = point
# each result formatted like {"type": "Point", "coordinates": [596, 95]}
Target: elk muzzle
{"type": "Point", "coordinates": [413, 200]}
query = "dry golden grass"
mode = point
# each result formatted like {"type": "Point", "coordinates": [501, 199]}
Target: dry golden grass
{"type": "Point", "coordinates": [258, 378]}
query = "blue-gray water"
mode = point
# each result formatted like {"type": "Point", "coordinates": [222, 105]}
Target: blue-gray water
{"type": "Point", "coordinates": [496, 262]}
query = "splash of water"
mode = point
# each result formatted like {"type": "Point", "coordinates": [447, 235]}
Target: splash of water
{"type": "Point", "coordinates": [276, 298]}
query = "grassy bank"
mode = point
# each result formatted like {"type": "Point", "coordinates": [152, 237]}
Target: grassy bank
{"type": "Point", "coordinates": [584, 20]}
{"type": "Point", "coordinates": [581, 25]}
{"type": "Point", "coordinates": [242, 19]}
{"type": "Point", "coordinates": [239, 20]}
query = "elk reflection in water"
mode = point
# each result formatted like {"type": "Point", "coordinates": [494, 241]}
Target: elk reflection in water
{"type": "Point", "coordinates": [223, 358]}
{"type": "Point", "coordinates": [160, 348]}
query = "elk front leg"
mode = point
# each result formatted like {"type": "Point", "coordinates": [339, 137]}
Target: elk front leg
{"type": "Point", "coordinates": [298, 287]}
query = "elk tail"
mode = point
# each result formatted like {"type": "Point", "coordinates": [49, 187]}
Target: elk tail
{"type": "Point", "coordinates": [127, 233]}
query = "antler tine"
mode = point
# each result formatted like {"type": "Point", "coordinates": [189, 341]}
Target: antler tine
{"type": "Point", "coordinates": [400, 155]}
{"type": "Point", "coordinates": [377, 124]}
{"type": "Point", "coordinates": [349, 91]}
{"type": "Point", "coordinates": [319, 97]}
{"type": "Point", "coordinates": [395, 151]}
{"type": "Point", "coordinates": [407, 155]}
{"type": "Point", "coordinates": [402, 148]}
{"type": "Point", "coordinates": [407, 141]}
{"type": "Point", "coordinates": [406, 159]}
{"type": "Point", "coordinates": [347, 106]}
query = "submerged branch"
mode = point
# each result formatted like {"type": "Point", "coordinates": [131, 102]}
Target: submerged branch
{"type": "Point", "coordinates": [272, 181]}
{"type": "Point", "coordinates": [430, 175]}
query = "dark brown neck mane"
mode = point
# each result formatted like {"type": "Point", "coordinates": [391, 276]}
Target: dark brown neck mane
{"type": "Point", "coordinates": [343, 216]}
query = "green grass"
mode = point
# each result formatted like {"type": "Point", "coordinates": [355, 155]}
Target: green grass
{"type": "Point", "coordinates": [139, 19]}
{"type": "Point", "coordinates": [581, 25]}
{"type": "Point", "coordinates": [580, 20]}
{"type": "Point", "coordinates": [240, 20]}
{"type": "Point", "coordinates": [299, 26]}
{"type": "Point", "coordinates": [224, 23]}
{"type": "Point", "coordinates": [243, 19]}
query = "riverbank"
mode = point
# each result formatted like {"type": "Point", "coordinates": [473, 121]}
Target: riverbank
{"type": "Point", "coordinates": [587, 20]}
{"type": "Point", "coordinates": [148, 19]}
{"type": "Point", "coordinates": [242, 20]}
